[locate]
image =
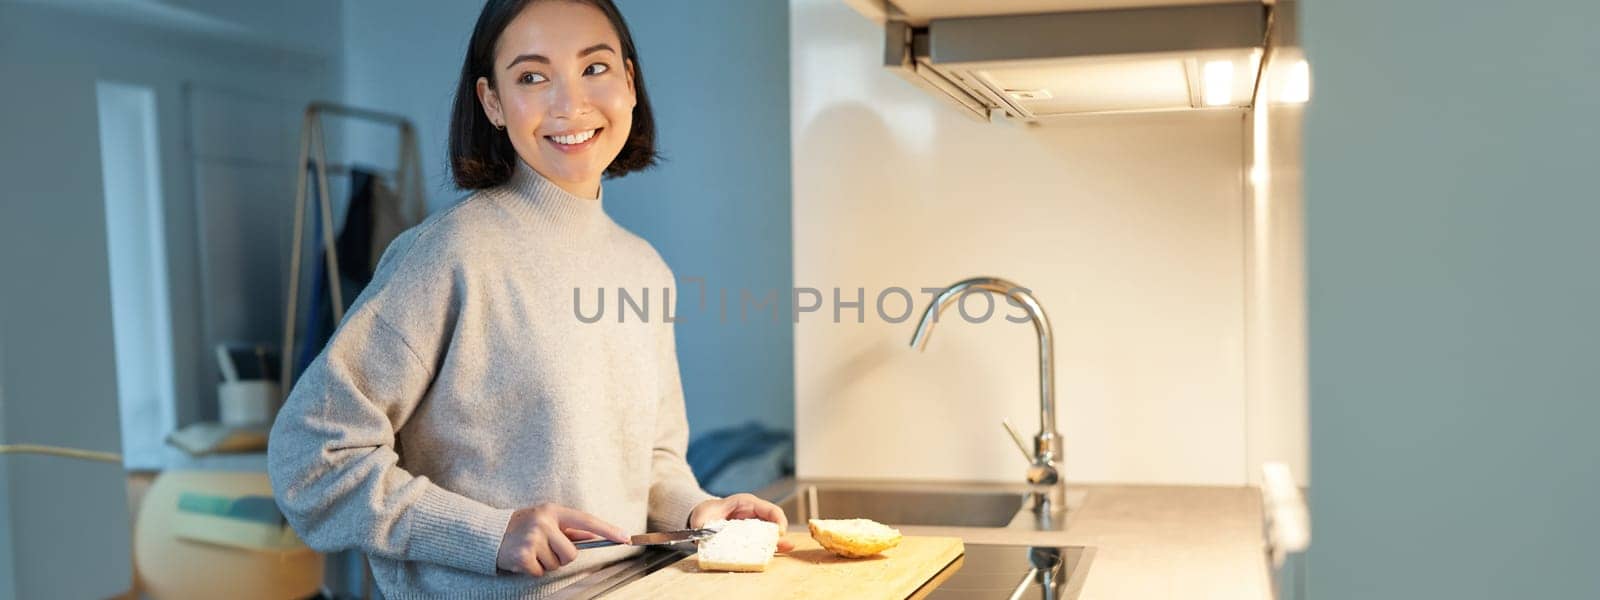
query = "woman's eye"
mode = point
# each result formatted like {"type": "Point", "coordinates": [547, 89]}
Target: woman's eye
{"type": "Point", "coordinates": [597, 68]}
{"type": "Point", "coordinates": [530, 78]}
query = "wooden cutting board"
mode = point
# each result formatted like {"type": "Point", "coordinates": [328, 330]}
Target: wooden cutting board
{"type": "Point", "coordinates": [808, 571]}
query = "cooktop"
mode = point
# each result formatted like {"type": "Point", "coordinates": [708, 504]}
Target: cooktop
{"type": "Point", "coordinates": [1015, 572]}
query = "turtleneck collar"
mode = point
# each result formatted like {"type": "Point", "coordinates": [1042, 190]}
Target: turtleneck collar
{"type": "Point", "coordinates": [543, 199]}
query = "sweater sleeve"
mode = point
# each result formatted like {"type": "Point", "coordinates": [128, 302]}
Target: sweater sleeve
{"type": "Point", "coordinates": [674, 492]}
{"type": "Point", "coordinates": [332, 459]}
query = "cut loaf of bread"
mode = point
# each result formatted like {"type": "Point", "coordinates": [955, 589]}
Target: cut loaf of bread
{"type": "Point", "coordinates": [854, 538]}
{"type": "Point", "coordinates": [739, 545]}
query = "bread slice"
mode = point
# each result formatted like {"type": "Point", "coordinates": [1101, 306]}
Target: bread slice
{"type": "Point", "coordinates": [854, 538]}
{"type": "Point", "coordinates": [745, 545]}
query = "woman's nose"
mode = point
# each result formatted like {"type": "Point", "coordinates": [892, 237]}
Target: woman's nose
{"type": "Point", "coordinates": [571, 99]}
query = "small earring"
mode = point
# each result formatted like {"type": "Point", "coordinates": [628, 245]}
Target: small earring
{"type": "Point", "coordinates": [499, 126]}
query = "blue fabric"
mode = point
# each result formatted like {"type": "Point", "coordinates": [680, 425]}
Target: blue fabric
{"type": "Point", "coordinates": [741, 458]}
{"type": "Point", "coordinates": [312, 334]}
{"type": "Point", "coordinates": [354, 243]}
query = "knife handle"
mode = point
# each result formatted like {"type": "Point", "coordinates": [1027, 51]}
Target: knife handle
{"type": "Point", "coordinates": [600, 543]}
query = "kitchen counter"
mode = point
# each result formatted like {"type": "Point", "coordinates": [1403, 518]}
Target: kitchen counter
{"type": "Point", "coordinates": [1150, 541]}
{"type": "Point", "coordinates": [1171, 542]}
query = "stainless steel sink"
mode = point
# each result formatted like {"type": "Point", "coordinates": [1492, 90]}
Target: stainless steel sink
{"type": "Point", "coordinates": [905, 507]}
{"type": "Point", "coordinates": [978, 505]}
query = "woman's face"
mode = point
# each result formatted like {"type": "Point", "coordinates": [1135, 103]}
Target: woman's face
{"type": "Point", "coordinates": [563, 92]}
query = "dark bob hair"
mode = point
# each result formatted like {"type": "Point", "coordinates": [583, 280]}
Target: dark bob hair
{"type": "Point", "coordinates": [481, 155]}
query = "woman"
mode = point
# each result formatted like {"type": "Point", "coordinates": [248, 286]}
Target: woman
{"type": "Point", "coordinates": [464, 426]}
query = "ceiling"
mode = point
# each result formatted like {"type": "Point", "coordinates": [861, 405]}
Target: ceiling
{"type": "Point", "coordinates": [297, 25]}
{"type": "Point", "coordinates": [918, 12]}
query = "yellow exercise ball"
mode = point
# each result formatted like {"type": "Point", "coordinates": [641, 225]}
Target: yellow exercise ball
{"type": "Point", "coordinates": [172, 568]}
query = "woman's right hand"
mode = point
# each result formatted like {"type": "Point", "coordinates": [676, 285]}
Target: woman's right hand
{"type": "Point", "coordinates": [539, 539]}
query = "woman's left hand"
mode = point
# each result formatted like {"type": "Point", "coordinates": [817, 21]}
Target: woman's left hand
{"type": "Point", "coordinates": [742, 506]}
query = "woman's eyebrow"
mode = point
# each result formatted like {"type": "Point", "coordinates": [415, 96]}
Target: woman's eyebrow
{"type": "Point", "coordinates": [521, 58]}
{"type": "Point", "coordinates": [540, 58]}
{"type": "Point", "coordinates": [596, 48]}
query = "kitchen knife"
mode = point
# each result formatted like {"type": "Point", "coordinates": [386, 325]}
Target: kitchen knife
{"type": "Point", "coordinates": [653, 539]}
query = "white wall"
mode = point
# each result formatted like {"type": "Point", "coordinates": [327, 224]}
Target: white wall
{"type": "Point", "coordinates": [67, 519]}
{"type": "Point", "coordinates": [1130, 231]}
{"type": "Point", "coordinates": [404, 58]}
{"type": "Point", "coordinates": [59, 372]}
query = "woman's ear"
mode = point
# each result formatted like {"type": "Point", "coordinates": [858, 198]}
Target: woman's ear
{"type": "Point", "coordinates": [491, 102]}
{"type": "Point", "coordinates": [631, 90]}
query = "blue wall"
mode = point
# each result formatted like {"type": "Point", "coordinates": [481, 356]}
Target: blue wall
{"type": "Point", "coordinates": [718, 206]}
{"type": "Point", "coordinates": [1453, 224]}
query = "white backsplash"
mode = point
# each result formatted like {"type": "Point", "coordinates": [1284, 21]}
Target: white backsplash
{"type": "Point", "coordinates": [1130, 230]}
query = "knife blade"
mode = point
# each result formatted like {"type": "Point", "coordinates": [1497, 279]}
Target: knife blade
{"type": "Point", "coordinates": [654, 539]}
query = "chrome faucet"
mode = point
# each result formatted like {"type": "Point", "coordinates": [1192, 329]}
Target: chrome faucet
{"type": "Point", "coordinates": [1048, 493]}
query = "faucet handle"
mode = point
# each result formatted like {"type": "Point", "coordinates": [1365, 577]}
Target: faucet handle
{"type": "Point", "coordinates": [1015, 437]}
{"type": "Point", "coordinates": [1039, 473]}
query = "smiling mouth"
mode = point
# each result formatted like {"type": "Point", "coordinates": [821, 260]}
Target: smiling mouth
{"type": "Point", "coordinates": [574, 140]}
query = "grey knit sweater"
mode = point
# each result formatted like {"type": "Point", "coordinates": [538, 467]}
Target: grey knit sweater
{"type": "Point", "coordinates": [462, 385]}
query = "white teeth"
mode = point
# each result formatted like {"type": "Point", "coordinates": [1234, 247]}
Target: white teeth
{"type": "Point", "coordinates": [577, 138]}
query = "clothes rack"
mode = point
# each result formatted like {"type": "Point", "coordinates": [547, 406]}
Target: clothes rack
{"type": "Point", "coordinates": [314, 158]}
